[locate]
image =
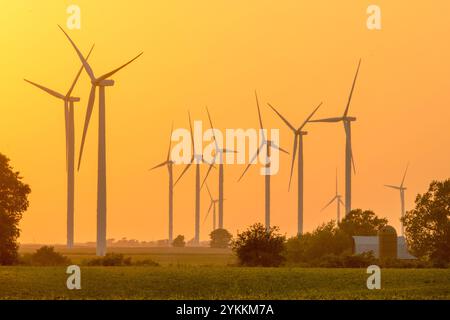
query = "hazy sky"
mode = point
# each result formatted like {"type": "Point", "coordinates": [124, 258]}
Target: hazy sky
{"type": "Point", "coordinates": [216, 53]}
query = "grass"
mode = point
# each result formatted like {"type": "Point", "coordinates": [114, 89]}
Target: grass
{"type": "Point", "coordinates": [204, 273]}
{"type": "Point", "coordinates": [214, 282]}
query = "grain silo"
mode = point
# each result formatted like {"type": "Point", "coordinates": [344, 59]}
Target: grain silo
{"type": "Point", "coordinates": [387, 243]}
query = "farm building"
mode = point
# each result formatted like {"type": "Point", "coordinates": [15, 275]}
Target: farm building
{"type": "Point", "coordinates": [371, 243]}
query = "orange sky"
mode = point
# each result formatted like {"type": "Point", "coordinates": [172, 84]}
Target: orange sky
{"type": "Point", "coordinates": [215, 53]}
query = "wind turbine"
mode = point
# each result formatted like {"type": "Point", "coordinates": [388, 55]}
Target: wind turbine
{"type": "Point", "coordinates": [402, 189]}
{"type": "Point", "coordinates": [338, 198]}
{"type": "Point", "coordinates": [212, 206]}
{"type": "Point", "coordinates": [268, 145]}
{"type": "Point", "coordinates": [298, 142]}
{"type": "Point", "coordinates": [100, 82]}
{"type": "Point", "coordinates": [69, 101]}
{"type": "Point", "coordinates": [169, 164]}
{"type": "Point", "coordinates": [198, 159]}
{"type": "Point", "coordinates": [349, 161]}
{"type": "Point", "coordinates": [219, 152]}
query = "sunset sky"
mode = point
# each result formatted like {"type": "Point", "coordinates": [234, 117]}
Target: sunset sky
{"type": "Point", "coordinates": [216, 53]}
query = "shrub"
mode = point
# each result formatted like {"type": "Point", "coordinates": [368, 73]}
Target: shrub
{"type": "Point", "coordinates": [110, 259]}
{"type": "Point", "coordinates": [146, 263]}
{"type": "Point", "coordinates": [45, 256]}
{"type": "Point", "coordinates": [259, 247]}
{"type": "Point", "coordinates": [179, 241]}
{"type": "Point", "coordinates": [220, 238]}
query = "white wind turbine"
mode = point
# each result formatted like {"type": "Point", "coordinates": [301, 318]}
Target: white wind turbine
{"type": "Point", "coordinates": [169, 164]}
{"type": "Point", "coordinates": [267, 145]}
{"type": "Point", "coordinates": [70, 147]}
{"type": "Point", "coordinates": [402, 189]}
{"type": "Point", "coordinates": [298, 143]}
{"type": "Point", "coordinates": [197, 157]}
{"type": "Point", "coordinates": [349, 161]}
{"type": "Point", "coordinates": [338, 198]}
{"type": "Point", "coordinates": [100, 82]}
{"type": "Point", "coordinates": [212, 206]}
{"type": "Point", "coordinates": [218, 157]}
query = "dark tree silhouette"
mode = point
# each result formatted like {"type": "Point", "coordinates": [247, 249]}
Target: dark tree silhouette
{"type": "Point", "coordinates": [259, 247]}
{"type": "Point", "coordinates": [13, 202]}
{"type": "Point", "coordinates": [179, 241]}
{"type": "Point", "coordinates": [220, 238]}
{"type": "Point", "coordinates": [427, 226]}
{"type": "Point", "coordinates": [362, 223]}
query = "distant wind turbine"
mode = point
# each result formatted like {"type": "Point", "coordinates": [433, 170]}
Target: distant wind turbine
{"type": "Point", "coordinates": [100, 82]}
{"type": "Point", "coordinates": [402, 189]}
{"type": "Point", "coordinates": [338, 198]}
{"type": "Point", "coordinates": [218, 157]}
{"type": "Point", "coordinates": [169, 164]}
{"type": "Point", "coordinates": [298, 142]}
{"type": "Point", "coordinates": [268, 145]}
{"type": "Point", "coordinates": [349, 161]}
{"type": "Point", "coordinates": [212, 206]}
{"type": "Point", "coordinates": [70, 147]}
{"type": "Point", "coordinates": [198, 159]}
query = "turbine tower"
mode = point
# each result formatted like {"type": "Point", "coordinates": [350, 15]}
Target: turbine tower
{"type": "Point", "coordinates": [198, 159]}
{"type": "Point", "coordinates": [212, 206]}
{"type": "Point", "coordinates": [267, 145]}
{"type": "Point", "coordinates": [69, 102]}
{"type": "Point", "coordinates": [338, 198]}
{"type": "Point", "coordinates": [298, 143]}
{"type": "Point", "coordinates": [349, 161]}
{"type": "Point", "coordinates": [100, 82]}
{"type": "Point", "coordinates": [402, 189]}
{"type": "Point", "coordinates": [219, 152]}
{"type": "Point", "coordinates": [169, 164]}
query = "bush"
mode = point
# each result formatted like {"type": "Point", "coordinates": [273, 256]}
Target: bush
{"type": "Point", "coordinates": [109, 260]}
{"type": "Point", "coordinates": [45, 256]}
{"type": "Point", "coordinates": [259, 247]}
{"type": "Point", "coordinates": [146, 263]}
{"type": "Point", "coordinates": [220, 238]}
{"type": "Point", "coordinates": [179, 241]}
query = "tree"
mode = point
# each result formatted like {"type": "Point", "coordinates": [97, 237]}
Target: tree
{"type": "Point", "coordinates": [427, 226]}
{"type": "Point", "coordinates": [362, 223]}
{"type": "Point", "coordinates": [220, 238]}
{"type": "Point", "coordinates": [258, 246]}
{"type": "Point", "coordinates": [13, 202]}
{"type": "Point", "coordinates": [179, 241]}
{"type": "Point", "coordinates": [47, 256]}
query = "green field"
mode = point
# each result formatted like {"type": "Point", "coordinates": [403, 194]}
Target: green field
{"type": "Point", "coordinates": [203, 273]}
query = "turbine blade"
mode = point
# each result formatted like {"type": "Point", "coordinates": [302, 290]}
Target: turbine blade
{"type": "Point", "coordinates": [78, 75]}
{"type": "Point", "coordinates": [341, 202]}
{"type": "Point", "coordinates": [294, 153]}
{"type": "Point", "coordinates": [212, 127]}
{"type": "Point", "coordinates": [393, 187]}
{"type": "Point", "coordinates": [329, 203]}
{"type": "Point", "coordinates": [209, 210]}
{"type": "Point", "coordinates": [170, 143]}
{"type": "Point", "coordinates": [351, 91]}
{"type": "Point", "coordinates": [350, 146]}
{"type": "Point", "coordinates": [337, 182]}
{"type": "Point", "coordinates": [404, 175]}
{"type": "Point", "coordinates": [309, 117]}
{"type": "Point", "coordinates": [89, 109]}
{"type": "Point", "coordinates": [192, 132]}
{"type": "Point", "coordinates": [207, 174]}
{"type": "Point", "coordinates": [283, 118]}
{"type": "Point", "coordinates": [109, 74]}
{"type": "Point", "coordinates": [273, 145]}
{"type": "Point", "coordinates": [209, 192]}
{"type": "Point", "coordinates": [83, 60]}
{"type": "Point", "coordinates": [259, 112]}
{"type": "Point", "coordinates": [160, 165]}
{"type": "Point", "coordinates": [49, 91]}
{"type": "Point", "coordinates": [334, 119]}
{"type": "Point", "coordinates": [251, 161]}
{"type": "Point", "coordinates": [184, 171]}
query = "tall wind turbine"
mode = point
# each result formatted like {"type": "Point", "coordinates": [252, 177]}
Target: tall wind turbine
{"type": "Point", "coordinates": [402, 189]}
{"type": "Point", "coordinates": [169, 164]}
{"type": "Point", "coordinates": [198, 159]}
{"type": "Point", "coordinates": [70, 147]}
{"type": "Point", "coordinates": [267, 145]}
{"type": "Point", "coordinates": [298, 143]}
{"type": "Point", "coordinates": [100, 82]}
{"type": "Point", "coordinates": [338, 198]}
{"type": "Point", "coordinates": [218, 156]}
{"type": "Point", "coordinates": [212, 206]}
{"type": "Point", "coordinates": [349, 161]}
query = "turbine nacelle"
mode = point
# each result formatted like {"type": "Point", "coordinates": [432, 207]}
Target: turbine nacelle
{"type": "Point", "coordinates": [103, 83]}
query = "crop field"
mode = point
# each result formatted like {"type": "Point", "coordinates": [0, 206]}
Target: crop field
{"type": "Point", "coordinates": [204, 273]}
